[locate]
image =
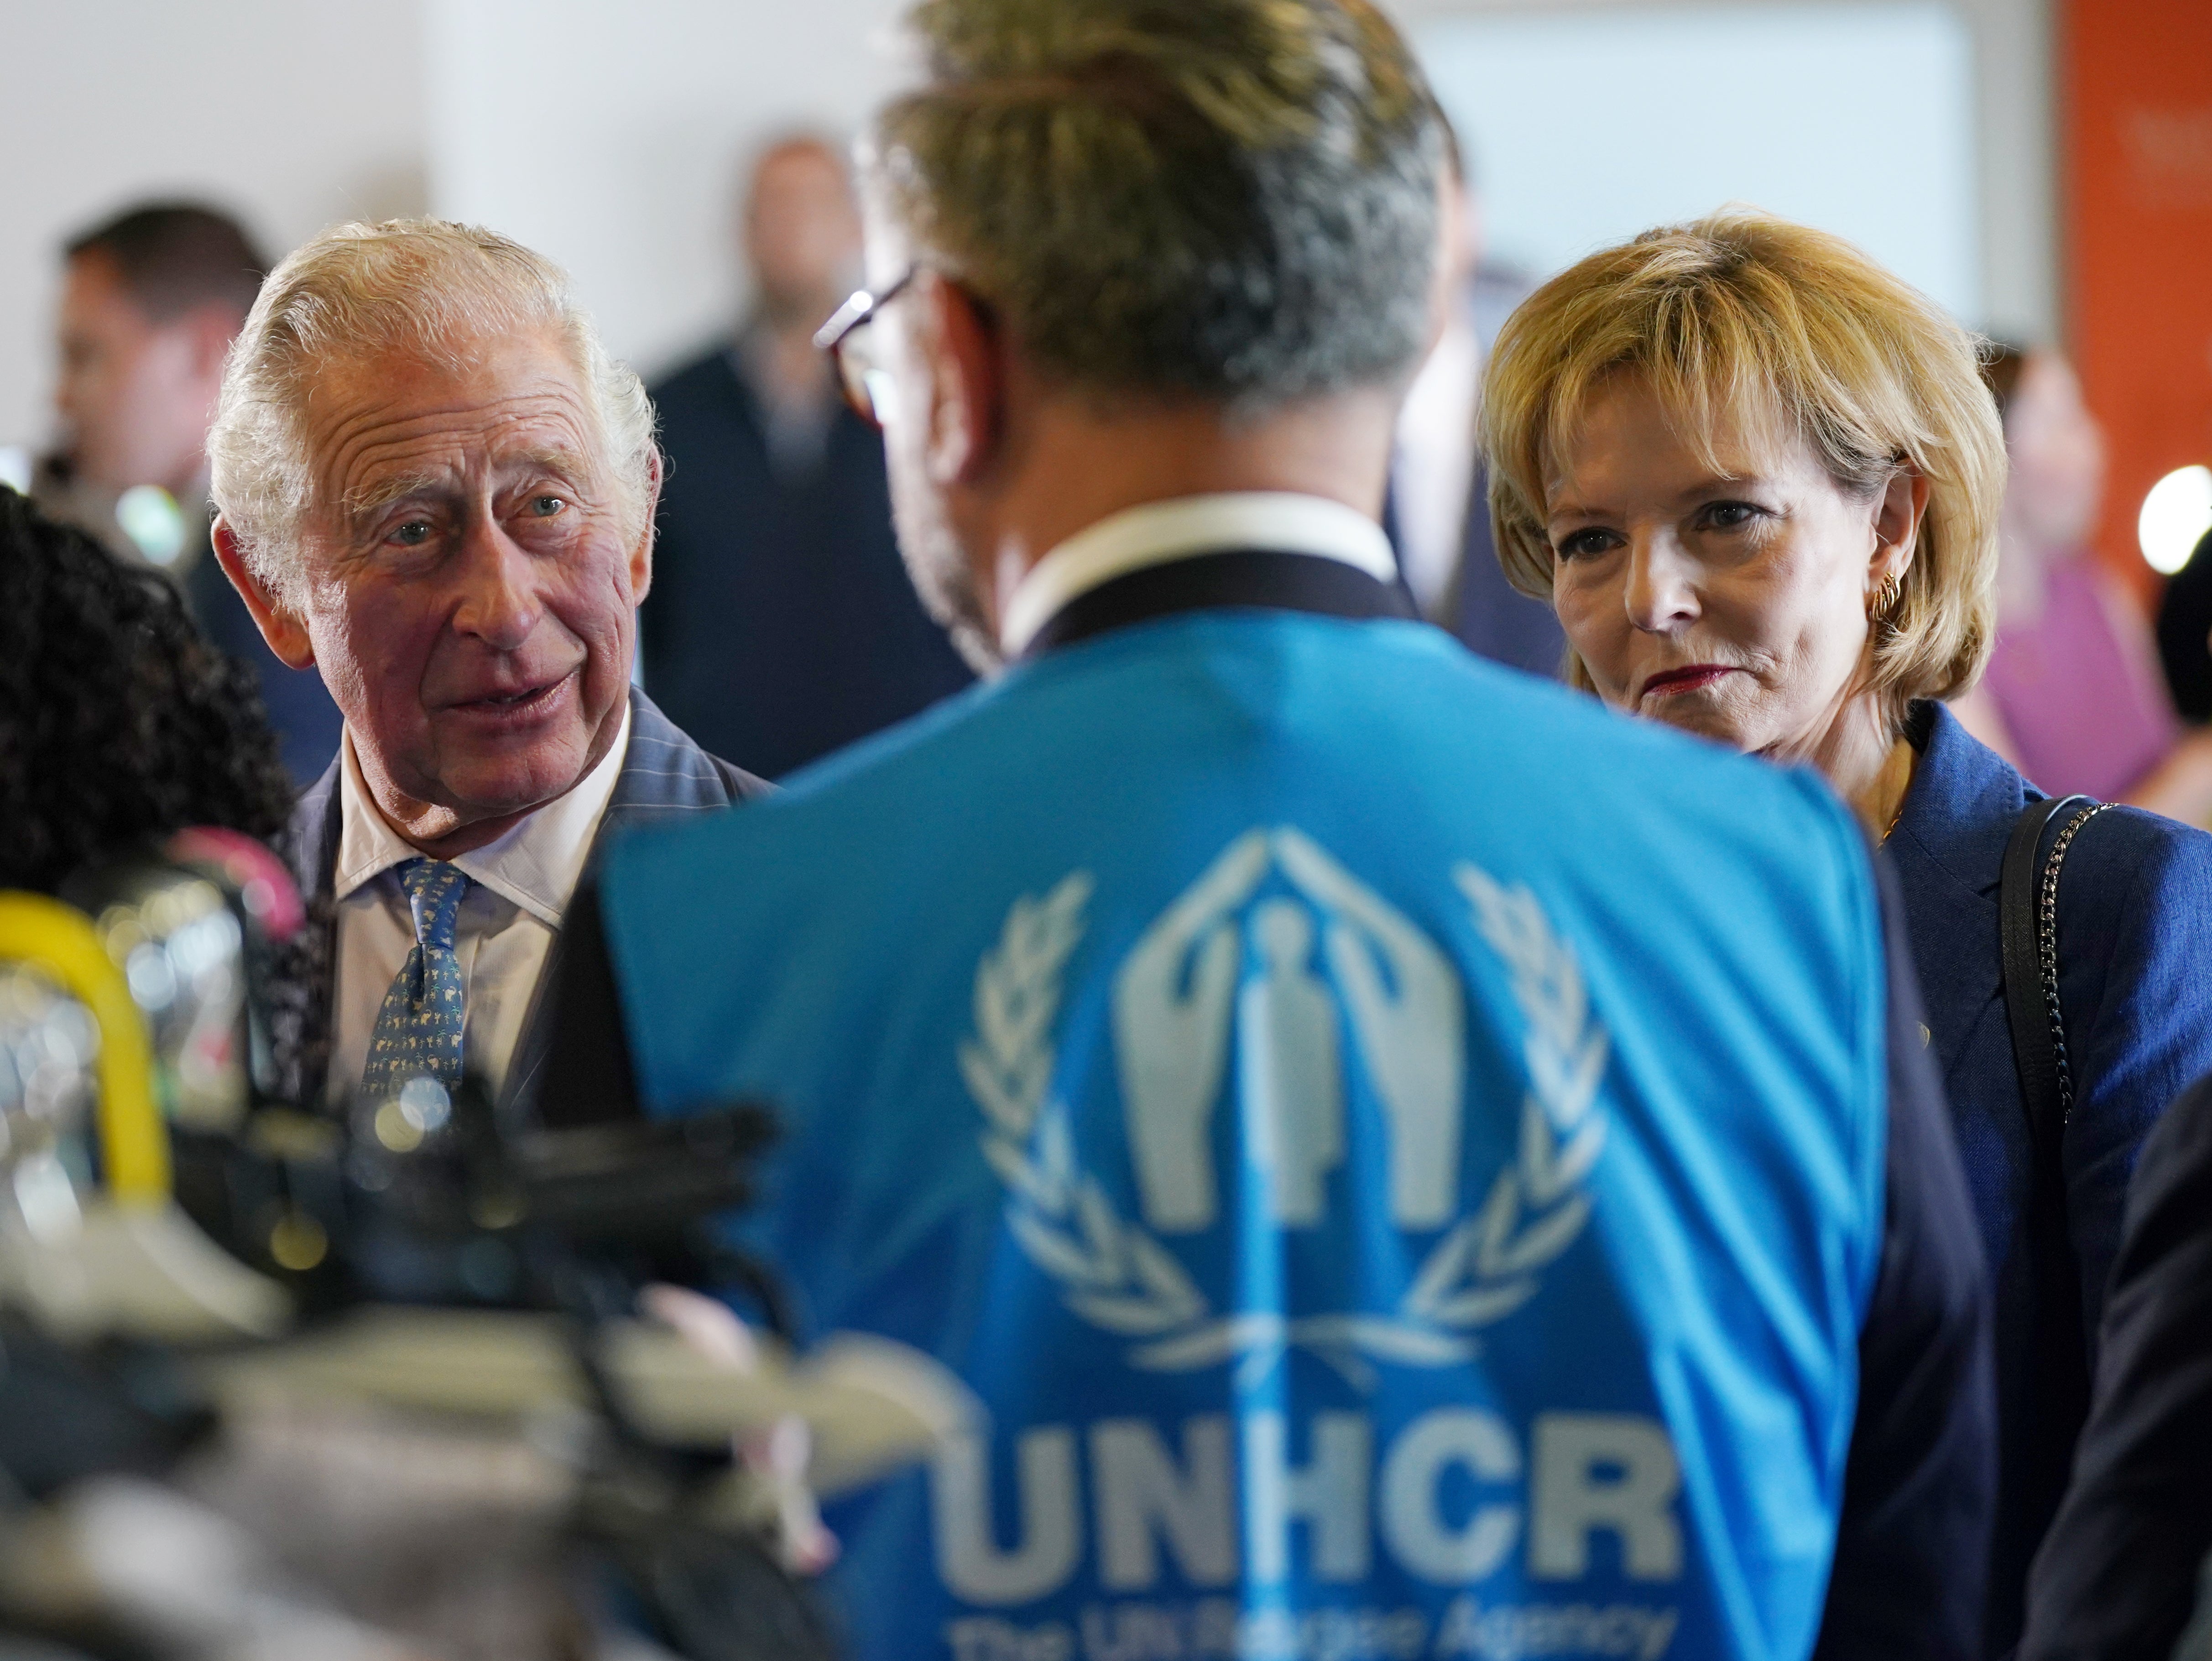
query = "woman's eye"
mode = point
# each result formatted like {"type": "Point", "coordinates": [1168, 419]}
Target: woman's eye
{"type": "Point", "coordinates": [412, 535]}
{"type": "Point", "coordinates": [546, 506]}
{"type": "Point", "coordinates": [1730, 515]}
{"type": "Point", "coordinates": [1580, 544]}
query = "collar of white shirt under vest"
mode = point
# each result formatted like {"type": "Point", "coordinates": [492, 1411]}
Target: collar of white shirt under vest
{"type": "Point", "coordinates": [1273, 550]}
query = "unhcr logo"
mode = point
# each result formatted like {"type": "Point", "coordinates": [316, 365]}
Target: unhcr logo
{"type": "Point", "coordinates": [1294, 982]}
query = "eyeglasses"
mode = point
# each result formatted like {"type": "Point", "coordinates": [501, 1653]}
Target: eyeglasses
{"type": "Point", "coordinates": [867, 386]}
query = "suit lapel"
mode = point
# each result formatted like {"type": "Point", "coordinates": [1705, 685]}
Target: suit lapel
{"type": "Point", "coordinates": [1948, 847]}
{"type": "Point", "coordinates": [665, 777]}
{"type": "Point", "coordinates": [301, 980]}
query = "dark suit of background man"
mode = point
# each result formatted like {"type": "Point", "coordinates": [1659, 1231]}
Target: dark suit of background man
{"type": "Point", "coordinates": [151, 302]}
{"type": "Point", "coordinates": [1438, 511]}
{"type": "Point", "coordinates": [781, 625]}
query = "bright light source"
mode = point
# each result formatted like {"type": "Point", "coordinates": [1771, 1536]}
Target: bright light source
{"type": "Point", "coordinates": [149, 516]}
{"type": "Point", "coordinates": [2175, 516]}
{"type": "Point", "coordinates": [15, 467]}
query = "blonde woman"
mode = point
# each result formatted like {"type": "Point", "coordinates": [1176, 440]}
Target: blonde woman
{"type": "Point", "coordinates": [1760, 478]}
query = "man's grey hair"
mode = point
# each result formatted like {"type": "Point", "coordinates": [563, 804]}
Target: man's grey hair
{"type": "Point", "coordinates": [1230, 200]}
{"type": "Point", "coordinates": [422, 287]}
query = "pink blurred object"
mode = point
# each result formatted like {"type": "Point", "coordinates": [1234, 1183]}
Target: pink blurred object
{"type": "Point", "coordinates": [261, 879]}
{"type": "Point", "coordinates": [2086, 712]}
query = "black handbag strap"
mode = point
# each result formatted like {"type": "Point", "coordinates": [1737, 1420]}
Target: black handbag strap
{"type": "Point", "coordinates": [2027, 905]}
{"type": "Point", "coordinates": [2033, 1051]}
{"type": "Point", "coordinates": [2057, 1399]}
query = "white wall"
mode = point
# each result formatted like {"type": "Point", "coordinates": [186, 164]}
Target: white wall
{"type": "Point", "coordinates": [290, 112]}
{"type": "Point", "coordinates": [610, 134]}
{"type": "Point", "coordinates": [2015, 141]}
{"type": "Point", "coordinates": [2017, 116]}
{"type": "Point", "coordinates": [1587, 127]}
{"type": "Point", "coordinates": [632, 185]}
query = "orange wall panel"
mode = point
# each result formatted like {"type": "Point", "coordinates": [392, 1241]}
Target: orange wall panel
{"type": "Point", "coordinates": [2137, 84]}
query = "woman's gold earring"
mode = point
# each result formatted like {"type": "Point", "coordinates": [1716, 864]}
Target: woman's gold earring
{"type": "Point", "coordinates": [1885, 598]}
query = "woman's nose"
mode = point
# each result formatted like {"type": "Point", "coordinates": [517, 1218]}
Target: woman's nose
{"type": "Point", "coordinates": [1661, 595]}
{"type": "Point", "coordinates": [499, 605]}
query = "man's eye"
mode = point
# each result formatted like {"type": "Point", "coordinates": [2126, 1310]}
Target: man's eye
{"type": "Point", "coordinates": [412, 535]}
{"type": "Point", "coordinates": [546, 506]}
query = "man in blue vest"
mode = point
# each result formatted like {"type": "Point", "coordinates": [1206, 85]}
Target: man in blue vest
{"type": "Point", "coordinates": [1403, 1163]}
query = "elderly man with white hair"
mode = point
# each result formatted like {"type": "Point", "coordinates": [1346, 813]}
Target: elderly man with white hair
{"type": "Point", "coordinates": [434, 484]}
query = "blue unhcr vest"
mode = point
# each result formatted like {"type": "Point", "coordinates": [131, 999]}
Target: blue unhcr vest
{"type": "Point", "coordinates": [1395, 1151]}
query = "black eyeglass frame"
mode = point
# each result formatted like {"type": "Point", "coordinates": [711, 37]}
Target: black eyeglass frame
{"type": "Point", "coordinates": [858, 310]}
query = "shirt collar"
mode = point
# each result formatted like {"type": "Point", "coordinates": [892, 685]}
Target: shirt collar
{"type": "Point", "coordinates": [1276, 522]}
{"type": "Point", "coordinates": [535, 864]}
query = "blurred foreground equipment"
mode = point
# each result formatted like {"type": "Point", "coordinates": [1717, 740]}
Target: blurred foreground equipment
{"type": "Point", "coordinates": [403, 1381]}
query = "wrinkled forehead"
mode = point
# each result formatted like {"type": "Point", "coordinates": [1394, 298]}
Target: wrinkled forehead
{"type": "Point", "coordinates": [1736, 422]}
{"type": "Point", "coordinates": [408, 413]}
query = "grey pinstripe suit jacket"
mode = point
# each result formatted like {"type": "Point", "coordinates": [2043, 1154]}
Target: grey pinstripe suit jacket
{"type": "Point", "coordinates": [665, 777]}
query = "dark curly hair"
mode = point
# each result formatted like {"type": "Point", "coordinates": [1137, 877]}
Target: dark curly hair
{"type": "Point", "coordinates": [119, 724]}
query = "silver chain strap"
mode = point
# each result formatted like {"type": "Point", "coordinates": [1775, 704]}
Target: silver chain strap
{"type": "Point", "coordinates": [2046, 935]}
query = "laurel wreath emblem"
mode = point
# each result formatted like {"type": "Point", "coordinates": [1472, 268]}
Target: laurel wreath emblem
{"type": "Point", "coordinates": [1114, 1274]}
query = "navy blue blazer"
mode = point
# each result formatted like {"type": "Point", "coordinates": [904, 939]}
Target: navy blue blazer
{"type": "Point", "coordinates": [782, 624]}
{"type": "Point", "coordinates": [2135, 921]}
{"type": "Point", "coordinates": [665, 777]}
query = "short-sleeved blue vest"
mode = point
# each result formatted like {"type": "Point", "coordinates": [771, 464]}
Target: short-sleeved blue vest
{"type": "Point", "coordinates": [1393, 1150]}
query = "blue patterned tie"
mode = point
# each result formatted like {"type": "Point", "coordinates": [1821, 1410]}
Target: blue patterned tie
{"type": "Point", "coordinates": [418, 1031]}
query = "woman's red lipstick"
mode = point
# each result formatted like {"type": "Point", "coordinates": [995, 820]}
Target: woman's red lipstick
{"type": "Point", "coordinates": [1690, 677]}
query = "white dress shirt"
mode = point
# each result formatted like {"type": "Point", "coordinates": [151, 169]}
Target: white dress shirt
{"type": "Point", "coordinates": [1278, 522]}
{"type": "Point", "coordinates": [1432, 472]}
{"type": "Point", "coordinates": [519, 887]}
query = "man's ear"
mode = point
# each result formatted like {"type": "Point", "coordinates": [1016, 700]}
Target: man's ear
{"type": "Point", "coordinates": [641, 557]}
{"type": "Point", "coordinates": [967, 405]}
{"type": "Point", "coordinates": [1897, 517]}
{"type": "Point", "coordinates": [286, 634]}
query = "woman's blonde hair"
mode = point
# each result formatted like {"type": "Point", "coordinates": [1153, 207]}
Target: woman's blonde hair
{"type": "Point", "coordinates": [1744, 322]}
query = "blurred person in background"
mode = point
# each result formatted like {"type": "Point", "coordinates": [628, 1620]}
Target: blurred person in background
{"type": "Point", "coordinates": [1437, 512]}
{"type": "Point", "coordinates": [117, 724]}
{"type": "Point", "coordinates": [2126, 1559]}
{"type": "Point", "coordinates": [782, 624]}
{"type": "Point", "coordinates": [2073, 695]}
{"type": "Point", "coordinates": [151, 303]}
{"type": "Point", "coordinates": [436, 488]}
{"type": "Point", "coordinates": [2184, 634]}
{"type": "Point", "coordinates": [1758, 527]}
{"type": "Point", "coordinates": [1157, 1027]}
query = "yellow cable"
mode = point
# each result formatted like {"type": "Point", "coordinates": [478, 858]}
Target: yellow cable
{"type": "Point", "coordinates": [134, 1142]}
